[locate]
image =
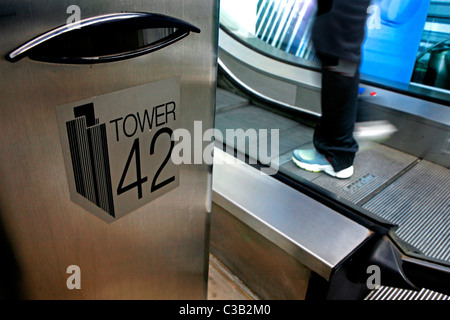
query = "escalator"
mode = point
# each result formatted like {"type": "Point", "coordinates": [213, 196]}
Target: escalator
{"type": "Point", "coordinates": [401, 181]}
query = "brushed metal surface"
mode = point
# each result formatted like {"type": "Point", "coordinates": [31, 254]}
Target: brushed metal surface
{"type": "Point", "coordinates": [158, 251]}
{"type": "Point", "coordinates": [314, 234]}
{"type": "Point", "coordinates": [266, 269]}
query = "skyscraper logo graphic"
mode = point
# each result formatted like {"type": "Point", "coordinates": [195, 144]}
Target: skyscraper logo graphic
{"type": "Point", "coordinates": [90, 160]}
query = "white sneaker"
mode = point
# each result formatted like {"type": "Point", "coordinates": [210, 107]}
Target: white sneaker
{"type": "Point", "coordinates": [311, 160]}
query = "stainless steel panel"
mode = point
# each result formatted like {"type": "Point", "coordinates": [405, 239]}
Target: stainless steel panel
{"type": "Point", "coordinates": [315, 235]}
{"type": "Point", "coordinates": [266, 269]}
{"type": "Point", "coordinates": [158, 251]}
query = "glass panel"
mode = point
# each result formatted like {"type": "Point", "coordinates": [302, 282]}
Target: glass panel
{"type": "Point", "coordinates": [286, 25]}
{"type": "Point", "coordinates": [432, 66]}
{"type": "Point", "coordinates": [407, 42]}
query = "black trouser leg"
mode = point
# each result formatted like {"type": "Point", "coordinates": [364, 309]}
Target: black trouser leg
{"type": "Point", "coordinates": [333, 136]}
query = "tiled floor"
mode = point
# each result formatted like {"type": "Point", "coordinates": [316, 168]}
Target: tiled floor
{"type": "Point", "coordinates": [222, 285]}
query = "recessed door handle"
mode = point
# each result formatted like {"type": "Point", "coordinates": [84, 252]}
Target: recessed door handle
{"type": "Point", "coordinates": [105, 38]}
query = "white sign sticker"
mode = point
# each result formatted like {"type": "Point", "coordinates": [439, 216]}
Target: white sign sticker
{"type": "Point", "coordinates": [117, 147]}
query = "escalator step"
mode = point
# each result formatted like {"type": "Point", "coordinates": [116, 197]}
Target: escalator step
{"type": "Point", "coordinates": [419, 202]}
{"type": "Point", "coordinates": [389, 293]}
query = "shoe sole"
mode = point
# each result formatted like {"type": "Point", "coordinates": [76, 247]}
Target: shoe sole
{"type": "Point", "coordinates": [328, 169]}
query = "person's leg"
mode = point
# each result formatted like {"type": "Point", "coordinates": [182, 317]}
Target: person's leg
{"type": "Point", "coordinates": [335, 146]}
{"type": "Point", "coordinates": [337, 35]}
{"type": "Point", "coordinates": [333, 136]}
